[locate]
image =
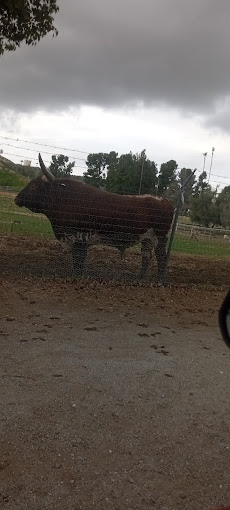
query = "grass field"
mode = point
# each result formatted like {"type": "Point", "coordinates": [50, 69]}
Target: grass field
{"type": "Point", "coordinates": [11, 178]}
{"type": "Point", "coordinates": [186, 220]}
{"type": "Point", "coordinates": [203, 246]}
{"type": "Point", "coordinates": [23, 222]}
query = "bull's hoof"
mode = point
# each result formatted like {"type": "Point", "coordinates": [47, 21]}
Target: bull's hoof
{"type": "Point", "coordinates": [160, 281]}
{"type": "Point", "coordinates": [76, 273]}
{"type": "Point", "coordinates": [76, 276]}
{"type": "Point", "coordinates": [142, 275]}
{"type": "Point", "coordinates": [159, 284]}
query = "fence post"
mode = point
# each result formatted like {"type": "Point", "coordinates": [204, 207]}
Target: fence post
{"type": "Point", "coordinates": [174, 225]}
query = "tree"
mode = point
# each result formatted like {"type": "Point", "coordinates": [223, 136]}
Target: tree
{"type": "Point", "coordinates": [223, 204]}
{"type": "Point", "coordinates": [183, 175]}
{"type": "Point", "coordinates": [25, 20]}
{"type": "Point", "coordinates": [201, 185]}
{"type": "Point", "coordinates": [131, 174]}
{"type": "Point", "coordinates": [60, 166]}
{"type": "Point", "coordinates": [97, 164]}
{"type": "Point", "coordinates": [172, 192]}
{"type": "Point", "coordinates": [166, 176]}
{"type": "Point", "coordinates": [204, 208]}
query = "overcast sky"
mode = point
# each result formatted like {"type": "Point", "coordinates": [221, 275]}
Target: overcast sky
{"type": "Point", "coordinates": [124, 75]}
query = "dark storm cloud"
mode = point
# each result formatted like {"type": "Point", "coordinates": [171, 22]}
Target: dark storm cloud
{"type": "Point", "coordinates": [161, 52]}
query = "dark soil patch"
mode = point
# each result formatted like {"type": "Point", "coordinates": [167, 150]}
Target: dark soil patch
{"type": "Point", "coordinates": [26, 257]}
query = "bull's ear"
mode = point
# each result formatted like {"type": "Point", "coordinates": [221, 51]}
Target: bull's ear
{"type": "Point", "coordinates": [45, 170]}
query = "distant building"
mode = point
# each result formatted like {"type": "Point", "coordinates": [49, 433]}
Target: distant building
{"type": "Point", "coordinates": [27, 162]}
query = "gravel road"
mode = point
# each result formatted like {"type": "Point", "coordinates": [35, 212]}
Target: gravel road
{"type": "Point", "coordinates": [112, 398]}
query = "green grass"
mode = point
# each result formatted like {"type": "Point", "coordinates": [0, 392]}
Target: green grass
{"type": "Point", "coordinates": [185, 220]}
{"type": "Point", "coordinates": [206, 247]}
{"type": "Point", "coordinates": [10, 178]}
{"type": "Point", "coordinates": [21, 221]}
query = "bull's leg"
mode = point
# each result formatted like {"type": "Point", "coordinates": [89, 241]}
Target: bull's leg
{"type": "Point", "coordinates": [79, 252]}
{"type": "Point", "coordinates": [160, 252]}
{"type": "Point", "coordinates": [146, 253]}
{"type": "Point", "coordinates": [122, 251]}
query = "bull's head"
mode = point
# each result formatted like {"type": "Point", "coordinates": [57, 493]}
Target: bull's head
{"type": "Point", "coordinates": [35, 195]}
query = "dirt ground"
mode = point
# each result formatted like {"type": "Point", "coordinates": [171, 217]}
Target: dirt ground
{"type": "Point", "coordinates": [113, 395]}
{"type": "Point", "coordinates": [30, 257]}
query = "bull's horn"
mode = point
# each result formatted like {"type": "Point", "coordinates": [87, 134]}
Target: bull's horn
{"type": "Point", "coordinates": [45, 170]}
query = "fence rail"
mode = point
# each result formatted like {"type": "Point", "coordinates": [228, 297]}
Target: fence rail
{"type": "Point", "coordinates": [196, 230]}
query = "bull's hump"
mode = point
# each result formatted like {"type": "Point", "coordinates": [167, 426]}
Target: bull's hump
{"type": "Point", "coordinates": [82, 189]}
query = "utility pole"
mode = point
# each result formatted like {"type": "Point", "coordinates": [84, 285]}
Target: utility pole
{"type": "Point", "coordinates": [205, 155]}
{"type": "Point", "coordinates": [142, 169]}
{"type": "Point", "coordinates": [158, 182]}
{"type": "Point", "coordinates": [213, 149]}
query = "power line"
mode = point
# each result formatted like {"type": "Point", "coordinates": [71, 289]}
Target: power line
{"type": "Point", "coordinates": [218, 182]}
{"type": "Point", "coordinates": [62, 148]}
{"type": "Point", "coordinates": [222, 176]}
{"type": "Point", "coordinates": [42, 144]}
{"type": "Point", "coordinates": [25, 157]}
{"type": "Point", "coordinates": [35, 150]}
